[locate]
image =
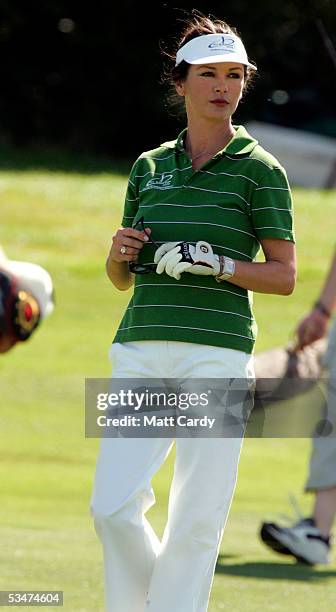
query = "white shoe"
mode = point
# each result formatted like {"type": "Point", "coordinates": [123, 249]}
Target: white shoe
{"type": "Point", "coordinates": [303, 541]}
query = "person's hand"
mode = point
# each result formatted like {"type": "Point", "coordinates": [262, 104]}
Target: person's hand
{"type": "Point", "coordinates": [174, 258]}
{"type": "Point", "coordinates": [127, 243]}
{"type": "Point", "coordinates": [313, 327]}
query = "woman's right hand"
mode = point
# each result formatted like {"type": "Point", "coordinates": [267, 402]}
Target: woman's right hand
{"type": "Point", "coordinates": [127, 243]}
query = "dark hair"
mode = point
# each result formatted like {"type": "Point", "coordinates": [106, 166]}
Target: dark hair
{"type": "Point", "coordinates": [199, 25]}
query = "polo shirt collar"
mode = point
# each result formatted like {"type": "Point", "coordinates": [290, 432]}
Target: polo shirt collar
{"type": "Point", "coordinates": [241, 143]}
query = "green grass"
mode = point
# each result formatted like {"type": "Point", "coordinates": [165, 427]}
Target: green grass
{"type": "Point", "coordinates": [64, 221]}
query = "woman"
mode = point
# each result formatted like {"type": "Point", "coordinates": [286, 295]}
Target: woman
{"type": "Point", "coordinates": [200, 206]}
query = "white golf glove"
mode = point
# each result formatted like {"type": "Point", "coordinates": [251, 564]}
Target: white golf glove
{"type": "Point", "coordinates": [177, 257]}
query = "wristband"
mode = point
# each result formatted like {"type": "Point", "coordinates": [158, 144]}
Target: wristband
{"type": "Point", "coordinates": [322, 309]}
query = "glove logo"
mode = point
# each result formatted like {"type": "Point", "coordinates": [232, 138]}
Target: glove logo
{"type": "Point", "coordinates": [204, 248]}
{"type": "Point", "coordinates": [186, 256]}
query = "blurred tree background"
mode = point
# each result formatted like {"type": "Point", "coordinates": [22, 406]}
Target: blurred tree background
{"type": "Point", "coordinates": [86, 77]}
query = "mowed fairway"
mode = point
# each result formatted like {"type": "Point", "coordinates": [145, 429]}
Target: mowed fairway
{"type": "Point", "coordinates": [64, 221]}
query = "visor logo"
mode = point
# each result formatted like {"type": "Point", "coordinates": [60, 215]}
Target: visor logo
{"type": "Point", "coordinates": [225, 43]}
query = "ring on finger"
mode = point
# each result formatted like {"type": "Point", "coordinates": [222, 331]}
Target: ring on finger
{"type": "Point", "coordinates": [123, 250]}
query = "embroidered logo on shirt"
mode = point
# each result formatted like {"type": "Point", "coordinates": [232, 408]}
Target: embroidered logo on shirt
{"type": "Point", "coordinates": [164, 182]}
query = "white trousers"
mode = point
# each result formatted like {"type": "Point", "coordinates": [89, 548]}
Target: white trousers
{"type": "Point", "coordinates": [176, 574]}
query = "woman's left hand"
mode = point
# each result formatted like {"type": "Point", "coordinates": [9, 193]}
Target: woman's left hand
{"type": "Point", "coordinates": [177, 257]}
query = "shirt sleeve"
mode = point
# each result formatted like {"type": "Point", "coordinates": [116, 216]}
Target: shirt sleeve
{"type": "Point", "coordinates": [272, 206]}
{"type": "Point", "coordinates": [131, 199]}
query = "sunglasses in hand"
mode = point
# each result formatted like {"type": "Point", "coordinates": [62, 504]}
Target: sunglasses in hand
{"type": "Point", "coordinates": [145, 268]}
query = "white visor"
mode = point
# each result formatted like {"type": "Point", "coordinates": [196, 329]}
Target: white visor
{"type": "Point", "coordinates": [213, 48]}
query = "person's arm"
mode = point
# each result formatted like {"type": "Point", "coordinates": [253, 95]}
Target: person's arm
{"type": "Point", "coordinates": [327, 299]}
{"type": "Point", "coordinates": [119, 274]}
{"type": "Point", "coordinates": [276, 275]}
{"type": "Point", "coordinates": [315, 325]}
{"type": "Point", "coordinates": [117, 263]}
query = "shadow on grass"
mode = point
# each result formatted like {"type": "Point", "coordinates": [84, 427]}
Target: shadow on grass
{"type": "Point", "coordinates": [60, 160]}
{"type": "Point", "coordinates": [273, 571]}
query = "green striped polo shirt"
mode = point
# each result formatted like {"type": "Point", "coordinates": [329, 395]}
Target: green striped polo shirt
{"type": "Point", "coordinates": [233, 201]}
